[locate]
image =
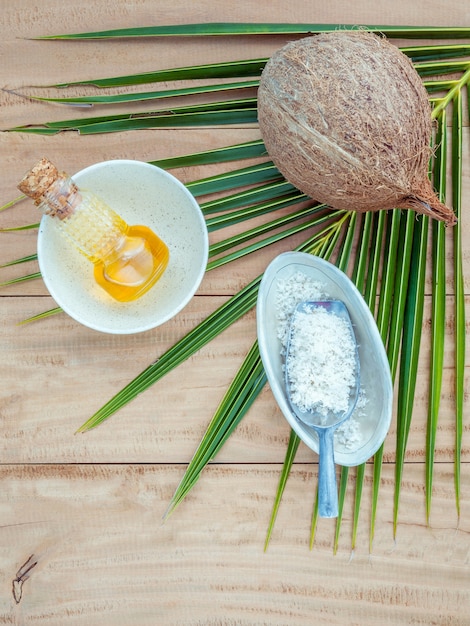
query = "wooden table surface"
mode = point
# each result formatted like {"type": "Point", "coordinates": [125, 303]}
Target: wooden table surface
{"type": "Point", "coordinates": [88, 508]}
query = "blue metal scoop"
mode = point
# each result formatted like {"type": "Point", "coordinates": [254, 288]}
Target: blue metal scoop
{"type": "Point", "coordinates": [324, 425]}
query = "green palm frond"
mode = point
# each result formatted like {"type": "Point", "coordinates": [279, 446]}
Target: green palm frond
{"type": "Point", "coordinates": [11, 203]}
{"type": "Point", "coordinates": [250, 175]}
{"type": "Point", "coordinates": [411, 343]}
{"type": "Point", "coordinates": [247, 150]}
{"type": "Point", "coordinates": [21, 279]}
{"type": "Point", "coordinates": [243, 28]}
{"type": "Point", "coordinates": [294, 441]}
{"type": "Point", "coordinates": [239, 397]}
{"type": "Point", "coordinates": [243, 111]}
{"type": "Point", "coordinates": [23, 227]}
{"type": "Point", "coordinates": [385, 254]}
{"type": "Point", "coordinates": [150, 95]}
{"type": "Point", "coordinates": [229, 69]}
{"type": "Point", "coordinates": [459, 303]}
{"type": "Point", "coordinates": [365, 276]}
{"type": "Point", "coordinates": [25, 259]}
{"type": "Point", "coordinates": [343, 485]}
{"type": "Point", "coordinates": [390, 251]}
{"type": "Point", "coordinates": [202, 334]}
{"type": "Point", "coordinates": [41, 316]}
{"type": "Point", "coordinates": [438, 315]}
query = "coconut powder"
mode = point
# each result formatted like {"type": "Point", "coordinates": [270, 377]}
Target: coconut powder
{"type": "Point", "coordinates": [324, 356]}
{"type": "Point", "coordinates": [321, 362]}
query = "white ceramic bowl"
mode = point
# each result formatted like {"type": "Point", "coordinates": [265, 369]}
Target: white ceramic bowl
{"type": "Point", "coordinates": [142, 194]}
{"type": "Point", "coordinates": [374, 418]}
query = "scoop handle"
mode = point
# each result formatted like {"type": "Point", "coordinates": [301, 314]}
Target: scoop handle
{"type": "Point", "coordinates": [327, 491]}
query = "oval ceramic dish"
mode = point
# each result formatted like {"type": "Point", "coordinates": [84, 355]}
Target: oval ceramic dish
{"type": "Point", "coordinates": [142, 194]}
{"type": "Point", "coordinates": [373, 418]}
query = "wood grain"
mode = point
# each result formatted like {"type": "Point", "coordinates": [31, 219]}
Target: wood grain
{"type": "Point", "coordinates": [59, 357]}
{"type": "Point", "coordinates": [103, 555]}
{"type": "Point", "coordinates": [81, 533]}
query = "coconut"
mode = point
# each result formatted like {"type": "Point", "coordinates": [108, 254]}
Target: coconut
{"type": "Point", "coordinates": [346, 119]}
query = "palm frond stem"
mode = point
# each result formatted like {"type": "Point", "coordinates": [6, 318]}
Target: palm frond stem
{"type": "Point", "coordinates": [459, 292]}
{"type": "Point", "coordinates": [438, 316]}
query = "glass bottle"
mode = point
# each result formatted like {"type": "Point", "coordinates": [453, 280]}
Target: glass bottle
{"type": "Point", "coordinates": [127, 260]}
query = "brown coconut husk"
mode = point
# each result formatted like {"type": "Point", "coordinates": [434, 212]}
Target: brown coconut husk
{"type": "Point", "coordinates": [346, 119]}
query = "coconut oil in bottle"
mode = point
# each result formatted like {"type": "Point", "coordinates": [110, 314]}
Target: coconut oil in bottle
{"type": "Point", "coordinates": [128, 260]}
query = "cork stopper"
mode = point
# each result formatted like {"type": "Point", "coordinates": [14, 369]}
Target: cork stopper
{"type": "Point", "coordinates": [39, 179]}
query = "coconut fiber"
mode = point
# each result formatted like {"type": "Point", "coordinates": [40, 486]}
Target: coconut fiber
{"type": "Point", "coordinates": [346, 119]}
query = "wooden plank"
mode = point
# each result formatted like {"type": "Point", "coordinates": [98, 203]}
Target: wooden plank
{"type": "Point", "coordinates": [47, 393]}
{"type": "Point", "coordinates": [104, 557]}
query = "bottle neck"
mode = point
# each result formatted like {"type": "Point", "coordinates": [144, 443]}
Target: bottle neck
{"type": "Point", "coordinates": [61, 199]}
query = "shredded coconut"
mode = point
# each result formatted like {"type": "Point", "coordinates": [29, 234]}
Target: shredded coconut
{"type": "Point", "coordinates": [325, 354]}
{"type": "Point", "coordinates": [321, 362]}
{"type": "Point", "coordinates": [291, 292]}
{"type": "Point", "coordinates": [349, 434]}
